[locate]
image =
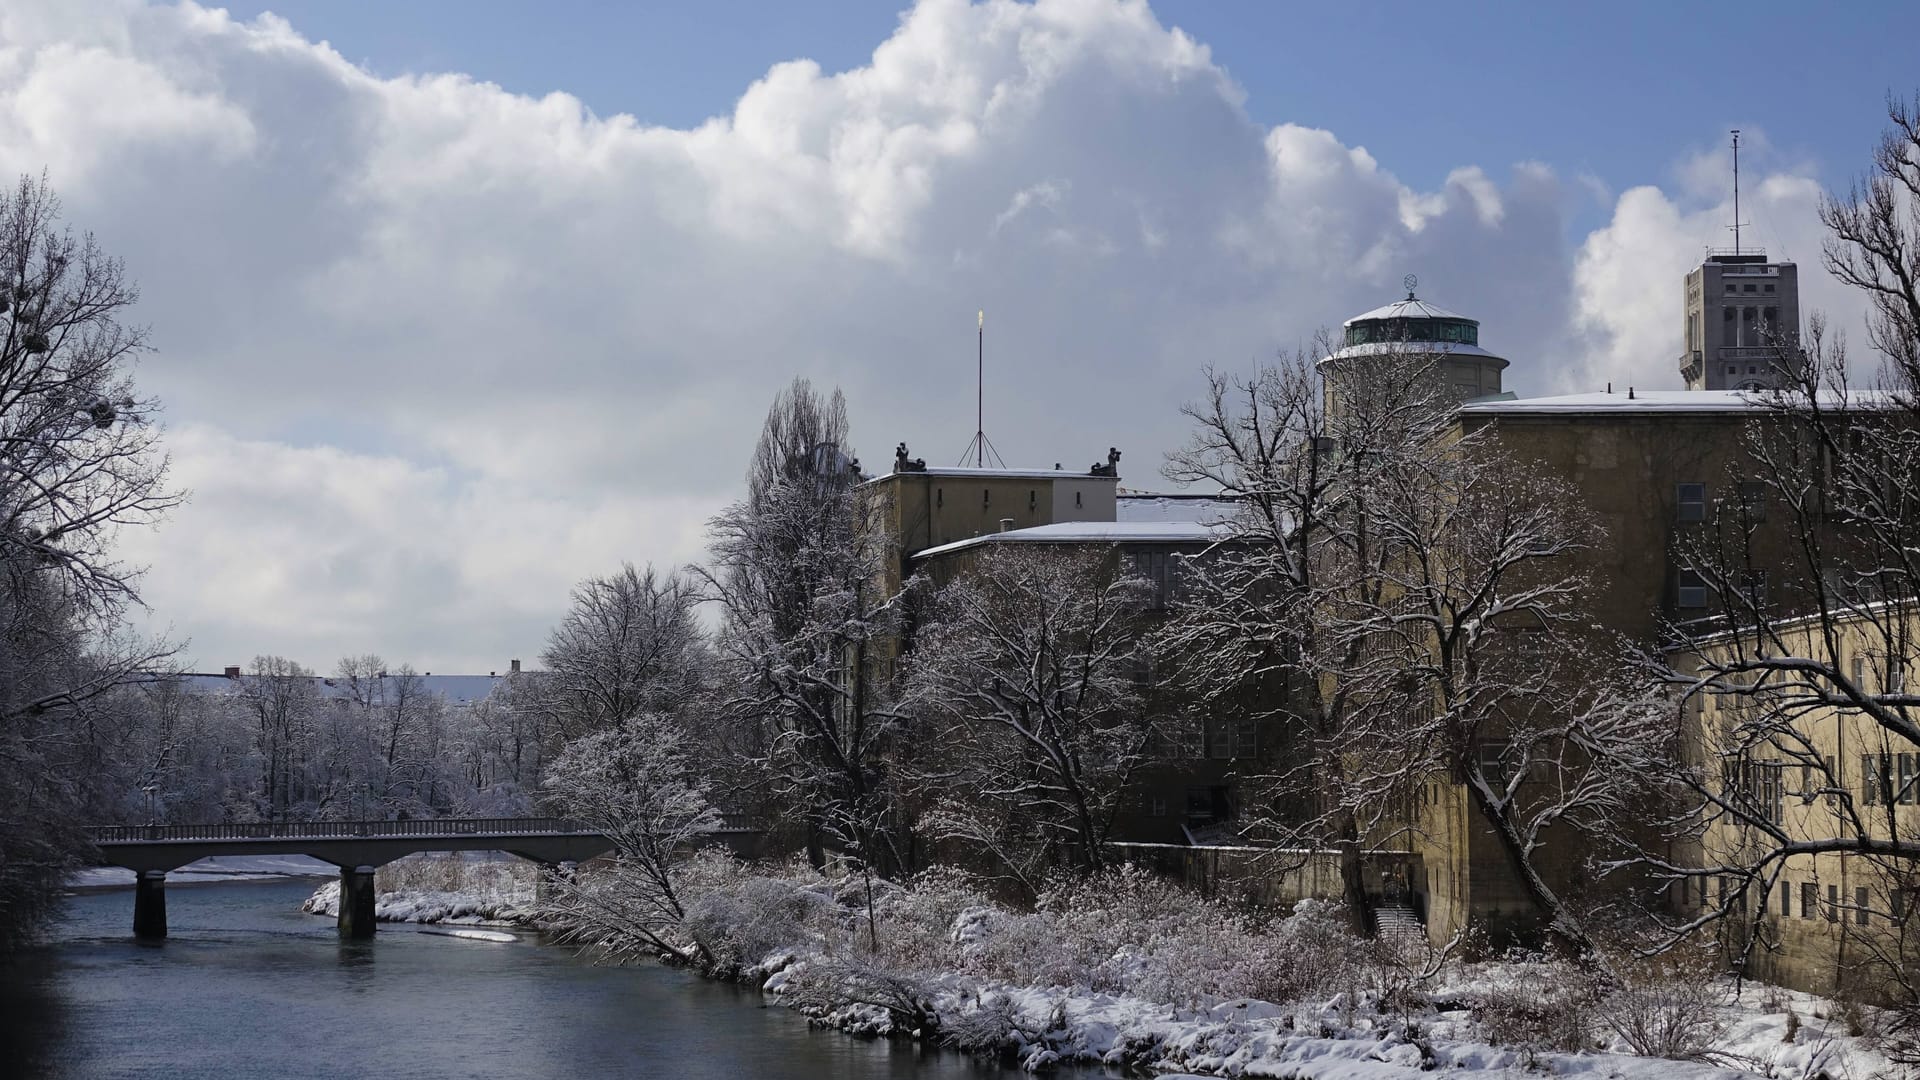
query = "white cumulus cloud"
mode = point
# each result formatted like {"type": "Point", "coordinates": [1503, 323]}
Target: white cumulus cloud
{"type": "Point", "coordinates": [434, 350]}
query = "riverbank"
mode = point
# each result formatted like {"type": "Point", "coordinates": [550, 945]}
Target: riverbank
{"type": "Point", "coordinates": [1134, 973]}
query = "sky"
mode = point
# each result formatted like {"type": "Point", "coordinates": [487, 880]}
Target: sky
{"type": "Point", "coordinates": [454, 304]}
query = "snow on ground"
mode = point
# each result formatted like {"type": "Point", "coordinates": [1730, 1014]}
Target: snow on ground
{"type": "Point", "coordinates": [433, 906]}
{"type": "Point", "coordinates": [1247, 1038]}
{"type": "Point", "coordinates": [213, 868]}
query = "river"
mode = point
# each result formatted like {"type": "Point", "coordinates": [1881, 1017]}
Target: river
{"type": "Point", "coordinates": [247, 986]}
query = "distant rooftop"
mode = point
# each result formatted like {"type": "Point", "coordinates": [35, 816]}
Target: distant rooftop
{"type": "Point", "coordinates": [455, 689]}
{"type": "Point", "coordinates": [1092, 532]}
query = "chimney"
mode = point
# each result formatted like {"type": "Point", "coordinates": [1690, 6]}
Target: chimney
{"type": "Point", "coordinates": [1629, 393]}
{"type": "Point", "coordinates": [233, 672]}
{"type": "Point", "coordinates": [1006, 524]}
{"type": "Point", "coordinates": [515, 669]}
{"type": "Point", "coordinates": [493, 674]}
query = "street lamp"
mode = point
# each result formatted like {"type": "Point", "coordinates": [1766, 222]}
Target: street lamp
{"type": "Point", "coordinates": [150, 789]}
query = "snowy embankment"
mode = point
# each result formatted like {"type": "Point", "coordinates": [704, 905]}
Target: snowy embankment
{"type": "Point", "coordinates": [428, 906]}
{"type": "Point", "coordinates": [459, 889]}
{"type": "Point", "coordinates": [1322, 1039]}
{"type": "Point", "coordinates": [213, 868]}
{"type": "Point", "coordinates": [1130, 972]}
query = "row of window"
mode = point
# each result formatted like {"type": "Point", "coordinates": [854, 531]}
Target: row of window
{"type": "Point", "coordinates": [1397, 330]}
{"type": "Point", "coordinates": [1810, 905]}
{"type": "Point", "coordinates": [1886, 780]}
{"type": "Point", "coordinates": [1748, 287]}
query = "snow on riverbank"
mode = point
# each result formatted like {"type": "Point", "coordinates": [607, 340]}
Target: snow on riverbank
{"type": "Point", "coordinates": [1129, 971]}
{"type": "Point", "coordinates": [1315, 1040]}
{"type": "Point", "coordinates": [430, 906]}
{"type": "Point", "coordinates": [213, 868]}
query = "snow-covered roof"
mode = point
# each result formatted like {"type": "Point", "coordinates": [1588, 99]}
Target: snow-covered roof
{"type": "Point", "coordinates": [454, 689]}
{"type": "Point", "coordinates": [1412, 348]}
{"type": "Point", "coordinates": [1206, 509]}
{"type": "Point", "coordinates": [1092, 532]}
{"type": "Point", "coordinates": [1410, 308]}
{"type": "Point", "coordinates": [1659, 401]}
{"type": "Point", "coordinates": [970, 472]}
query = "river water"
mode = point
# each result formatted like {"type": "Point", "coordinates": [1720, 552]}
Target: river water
{"type": "Point", "coordinates": [247, 986]}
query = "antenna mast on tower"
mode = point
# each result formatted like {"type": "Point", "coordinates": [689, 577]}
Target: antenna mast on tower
{"type": "Point", "coordinates": [981, 446]}
{"type": "Point", "coordinates": [1736, 192]}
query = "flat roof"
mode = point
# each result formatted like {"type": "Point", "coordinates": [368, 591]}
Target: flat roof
{"type": "Point", "coordinates": [1676, 402]}
{"type": "Point", "coordinates": [1092, 532]}
{"type": "Point", "coordinates": [967, 472]}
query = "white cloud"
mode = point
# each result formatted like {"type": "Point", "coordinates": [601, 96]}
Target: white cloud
{"type": "Point", "coordinates": [434, 350]}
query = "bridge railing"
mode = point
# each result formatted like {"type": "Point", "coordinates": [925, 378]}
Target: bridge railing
{"type": "Point", "coordinates": [356, 830]}
{"type": "Point", "coordinates": [338, 830]}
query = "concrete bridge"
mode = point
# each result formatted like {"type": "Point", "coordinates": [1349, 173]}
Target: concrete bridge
{"type": "Point", "coordinates": [356, 847]}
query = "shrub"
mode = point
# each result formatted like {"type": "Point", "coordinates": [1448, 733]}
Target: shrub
{"type": "Point", "coordinates": [1667, 1010]}
{"type": "Point", "coordinates": [1536, 1007]}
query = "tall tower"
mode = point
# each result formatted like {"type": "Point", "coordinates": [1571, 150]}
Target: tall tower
{"type": "Point", "coordinates": [1743, 321]}
{"type": "Point", "coordinates": [1742, 327]}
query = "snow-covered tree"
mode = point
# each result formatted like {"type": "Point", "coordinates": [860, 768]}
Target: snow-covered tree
{"type": "Point", "coordinates": [78, 459]}
{"type": "Point", "coordinates": [637, 782]}
{"type": "Point", "coordinates": [805, 622]}
{"type": "Point", "coordinates": [1402, 596]}
{"type": "Point", "coordinates": [1028, 721]}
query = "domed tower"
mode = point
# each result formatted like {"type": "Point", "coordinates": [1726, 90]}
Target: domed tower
{"type": "Point", "coordinates": [1415, 328]}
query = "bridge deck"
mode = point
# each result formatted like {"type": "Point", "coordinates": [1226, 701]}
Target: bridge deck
{"type": "Point", "coordinates": [357, 843]}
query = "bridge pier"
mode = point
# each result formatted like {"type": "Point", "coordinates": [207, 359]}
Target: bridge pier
{"type": "Point", "coordinates": [356, 902]}
{"type": "Point", "coordinates": [150, 904]}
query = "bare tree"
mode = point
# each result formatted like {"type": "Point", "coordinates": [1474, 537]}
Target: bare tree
{"type": "Point", "coordinates": [629, 643]}
{"type": "Point", "coordinates": [1799, 724]}
{"type": "Point", "coordinates": [1030, 725]}
{"type": "Point", "coordinates": [78, 458]}
{"type": "Point", "coordinates": [1403, 596]}
{"type": "Point", "coordinates": [802, 647]}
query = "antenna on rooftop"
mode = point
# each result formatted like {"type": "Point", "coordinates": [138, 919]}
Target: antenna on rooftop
{"type": "Point", "coordinates": [981, 446]}
{"type": "Point", "coordinates": [1736, 192]}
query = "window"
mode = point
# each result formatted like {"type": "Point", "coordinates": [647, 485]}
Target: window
{"type": "Point", "coordinates": [1833, 903]}
{"type": "Point", "coordinates": [1157, 806]}
{"type": "Point", "coordinates": [939, 497]}
{"type": "Point", "coordinates": [1809, 899]}
{"type": "Point", "coordinates": [1690, 502]}
{"type": "Point", "coordinates": [1690, 590]}
{"type": "Point", "coordinates": [1731, 287]}
{"type": "Point", "coordinates": [1860, 906]}
{"type": "Point", "coordinates": [1076, 500]}
{"type": "Point", "coordinates": [1832, 780]}
{"type": "Point", "coordinates": [1193, 737]}
{"type": "Point", "coordinates": [1876, 779]}
{"type": "Point", "coordinates": [1733, 369]}
{"type": "Point", "coordinates": [1897, 905]}
{"type": "Point", "coordinates": [1033, 499]}
{"type": "Point", "coordinates": [1152, 565]}
{"type": "Point", "coordinates": [1906, 780]}
{"type": "Point", "coordinates": [986, 496]}
{"type": "Point", "coordinates": [1860, 672]}
{"type": "Point", "coordinates": [1703, 890]}
{"type": "Point", "coordinates": [1751, 287]}
{"type": "Point", "coordinates": [1769, 286]}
